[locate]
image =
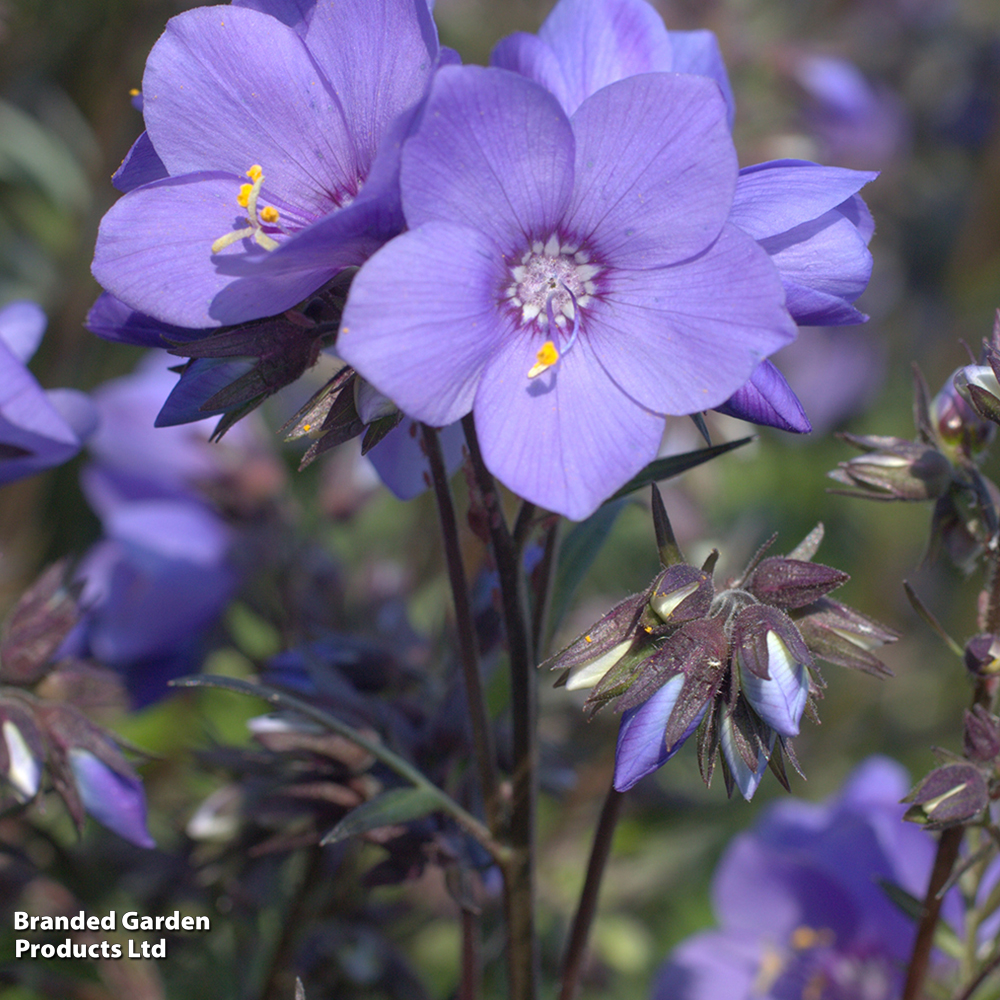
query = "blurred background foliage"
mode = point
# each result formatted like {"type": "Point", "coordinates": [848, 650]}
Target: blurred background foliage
{"type": "Point", "coordinates": [923, 110]}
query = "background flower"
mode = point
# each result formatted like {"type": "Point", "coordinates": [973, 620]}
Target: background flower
{"type": "Point", "coordinates": [799, 904]}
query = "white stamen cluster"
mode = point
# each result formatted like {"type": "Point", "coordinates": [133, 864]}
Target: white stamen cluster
{"type": "Point", "coordinates": [551, 271]}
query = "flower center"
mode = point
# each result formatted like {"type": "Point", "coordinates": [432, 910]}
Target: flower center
{"type": "Point", "coordinates": [268, 215]}
{"type": "Point", "coordinates": [551, 286]}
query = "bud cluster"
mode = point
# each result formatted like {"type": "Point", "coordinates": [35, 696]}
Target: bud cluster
{"type": "Point", "coordinates": [737, 664]}
{"type": "Point", "coordinates": [40, 731]}
{"type": "Point", "coordinates": [954, 430]}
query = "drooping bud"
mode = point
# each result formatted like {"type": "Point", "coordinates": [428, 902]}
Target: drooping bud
{"type": "Point", "coordinates": [773, 661]}
{"type": "Point", "coordinates": [746, 746]}
{"type": "Point", "coordinates": [642, 746]}
{"type": "Point", "coordinates": [90, 773]}
{"type": "Point", "coordinates": [893, 469]}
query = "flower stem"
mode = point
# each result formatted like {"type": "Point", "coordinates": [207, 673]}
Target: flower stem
{"type": "Point", "coordinates": [519, 872]}
{"type": "Point", "coordinates": [587, 905]}
{"type": "Point", "coordinates": [944, 861]}
{"type": "Point", "coordinates": [482, 734]}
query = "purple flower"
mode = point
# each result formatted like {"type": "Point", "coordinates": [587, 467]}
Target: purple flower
{"type": "Point", "coordinates": [38, 429]}
{"type": "Point", "coordinates": [270, 157]}
{"type": "Point", "coordinates": [568, 282]}
{"type": "Point", "coordinates": [799, 904]}
{"type": "Point", "coordinates": [812, 223]}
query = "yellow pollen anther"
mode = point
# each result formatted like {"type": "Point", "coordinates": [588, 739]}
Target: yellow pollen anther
{"type": "Point", "coordinates": [587, 638]}
{"type": "Point", "coordinates": [134, 92]}
{"type": "Point", "coordinates": [247, 198]}
{"type": "Point", "coordinates": [547, 356]}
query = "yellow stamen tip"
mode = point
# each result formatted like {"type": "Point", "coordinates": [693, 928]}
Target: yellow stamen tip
{"type": "Point", "coordinates": [134, 92]}
{"type": "Point", "coordinates": [547, 356]}
{"type": "Point", "coordinates": [269, 214]}
{"type": "Point", "coordinates": [255, 172]}
{"type": "Point", "coordinates": [244, 196]}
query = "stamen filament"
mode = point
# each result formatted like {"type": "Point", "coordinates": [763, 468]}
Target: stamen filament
{"type": "Point", "coordinates": [247, 198]}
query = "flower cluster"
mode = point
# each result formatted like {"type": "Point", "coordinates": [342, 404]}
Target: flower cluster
{"type": "Point", "coordinates": [735, 663]}
{"type": "Point", "coordinates": [801, 904]}
{"type": "Point", "coordinates": [562, 244]}
{"type": "Point", "coordinates": [42, 727]}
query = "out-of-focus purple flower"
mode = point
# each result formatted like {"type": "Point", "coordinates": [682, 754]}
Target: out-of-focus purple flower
{"type": "Point", "coordinates": [799, 905]}
{"type": "Point", "coordinates": [172, 460]}
{"type": "Point", "coordinates": [167, 565]}
{"type": "Point", "coordinates": [855, 122]}
{"type": "Point", "coordinates": [115, 800]}
{"type": "Point", "coordinates": [570, 283]}
{"type": "Point", "coordinates": [270, 157]}
{"type": "Point", "coordinates": [38, 429]}
{"type": "Point", "coordinates": [152, 587]}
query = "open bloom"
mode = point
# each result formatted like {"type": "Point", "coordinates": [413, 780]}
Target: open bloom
{"type": "Point", "coordinates": [800, 909]}
{"type": "Point", "coordinates": [811, 221]}
{"type": "Point", "coordinates": [270, 155]}
{"type": "Point", "coordinates": [570, 282]}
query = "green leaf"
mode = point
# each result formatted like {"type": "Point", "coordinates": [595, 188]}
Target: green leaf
{"type": "Point", "coordinates": [674, 465]}
{"type": "Point", "coordinates": [30, 152]}
{"type": "Point", "coordinates": [398, 805]}
{"type": "Point", "coordinates": [577, 553]}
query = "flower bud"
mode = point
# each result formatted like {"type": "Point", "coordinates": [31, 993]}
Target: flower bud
{"type": "Point", "coordinates": [792, 583]}
{"type": "Point", "coordinates": [746, 749]}
{"type": "Point", "coordinates": [682, 594]}
{"type": "Point", "coordinates": [982, 655]}
{"type": "Point", "coordinates": [894, 469]}
{"type": "Point", "coordinates": [114, 799]}
{"type": "Point", "coordinates": [589, 657]}
{"type": "Point", "coordinates": [841, 635]}
{"type": "Point", "coordinates": [22, 749]}
{"type": "Point", "coordinates": [979, 385]}
{"type": "Point", "coordinates": [981, 735]}
{"type": "Point", "coordinates": [773, 662]}
{"type": "Point", "coordinates": [955, 419]}
{"type": "Point", "coordinates": [948, 796]}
